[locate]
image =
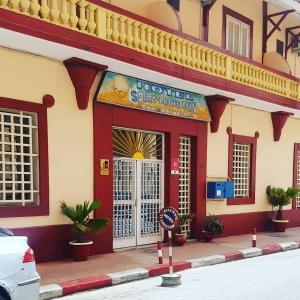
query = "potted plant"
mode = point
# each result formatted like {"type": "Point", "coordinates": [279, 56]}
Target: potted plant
{"type": "Point", "coordinates": [278, 198]}
{"type": "Point", "coordinates": [179, 237]}
{"type": "Point", "coordinates": [83, 225]}
{"type": "Point", "coordinates": [212, 226]}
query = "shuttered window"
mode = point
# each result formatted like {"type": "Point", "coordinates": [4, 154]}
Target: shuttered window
{"type": "Point", "coordinates": [237, 36]}
{"type": "Point", "coordinates": [174, 3]}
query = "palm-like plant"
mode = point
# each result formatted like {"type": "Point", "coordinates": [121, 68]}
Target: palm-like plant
{"type": "Point", "coordinates": [183, 219]}
{"type": "Point", "coordinates": [278, 197]}
{"type": "Point", "coordinates": [79, 215]}
{"type": "Point", "coordinates": [213, 225]}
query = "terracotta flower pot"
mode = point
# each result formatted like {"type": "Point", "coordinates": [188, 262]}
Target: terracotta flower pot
{"type": "Point", "coordinates": [179, 239]}
{"type": "Point", "coordinates": [279, 225]}
{"type": "Point", "coordinates": [207, 236]}
{"type": "Point", "coordinates": [81, 251]}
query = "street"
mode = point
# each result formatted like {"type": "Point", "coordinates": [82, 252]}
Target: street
{"type": "Point", "coordinates": [269, 277]}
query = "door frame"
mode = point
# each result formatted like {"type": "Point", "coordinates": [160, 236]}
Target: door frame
{"type": "Point", "coordinates": [119, 243]}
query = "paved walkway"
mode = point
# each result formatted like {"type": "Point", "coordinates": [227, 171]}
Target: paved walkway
{"type": "Point", "coordinates": [65, 270]}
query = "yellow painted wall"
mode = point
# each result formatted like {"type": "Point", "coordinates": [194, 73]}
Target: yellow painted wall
{"type": "Point", "coordinates": [190, 13]}
{"type": "Point", "coordinates": [274, 162]}
{"type": "Point", "coordinates": [70, 131]}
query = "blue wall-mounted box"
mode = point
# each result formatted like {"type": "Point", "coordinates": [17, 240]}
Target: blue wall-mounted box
{"type": "Point", "coordinates": [215, 189]}
{"type": "Point", "coordinates": [220, 189]}
{"type": "Point", "coordinates": [229, 189]}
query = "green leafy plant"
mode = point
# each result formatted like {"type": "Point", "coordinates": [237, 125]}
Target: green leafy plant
{"type": "Point", "coordinates": [183, 219]}
{"type": "Point", "coordinates": [213, 224]}
{"type": "Point", "coordinates": [79, 215]}
{"type": "Point", "coordinates": [278, 198]}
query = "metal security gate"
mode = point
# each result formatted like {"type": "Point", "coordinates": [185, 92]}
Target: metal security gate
{"type": "Point", "coordinates": [138, 197]}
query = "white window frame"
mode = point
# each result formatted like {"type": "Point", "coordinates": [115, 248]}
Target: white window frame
{"type": "Point", "coordinates": [241, 26]}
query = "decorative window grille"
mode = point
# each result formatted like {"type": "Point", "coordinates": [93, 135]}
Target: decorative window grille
{"type": "Point", "coordinates": [19, 165]}
{"type": "Point", "coordinates": [124, 193]}
{"type": "Point", "coordinates": [298, 178]}
{"type": "Point", "coordinates": [241, 169]}
{"type": "Point", "coordinates": [185, 179]}
{"type": "Point", "coordinates": [237, 36]}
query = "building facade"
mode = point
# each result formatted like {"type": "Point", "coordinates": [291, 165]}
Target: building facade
{"type": "Point", "coordinates": [73, 128]}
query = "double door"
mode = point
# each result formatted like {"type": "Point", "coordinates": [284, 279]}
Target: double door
{"type": "Point", "coordinates": [137, 200]}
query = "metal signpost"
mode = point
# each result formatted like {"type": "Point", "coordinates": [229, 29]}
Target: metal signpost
{"type": "Point", "coordinates": [168, 219]}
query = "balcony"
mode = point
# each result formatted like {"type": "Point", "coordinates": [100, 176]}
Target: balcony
{"type": "Point", "coordinates": [103, 22]}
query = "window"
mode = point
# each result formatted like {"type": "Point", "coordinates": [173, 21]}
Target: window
{"type": "Point", "coordinates": [174, 3]}
{"type": "Point", "coordinates": [18, 158]}
{"type": "Point", "coordinates": [237, 33]}
{"type": "Point", "coordinates": [241, 167]}
{"type": "Point", "coordinates": [279, 47]}
{"type": "Point", "coordinates": [23, 159]}
{"type": "Point", "coordinates": [185, 145]}
{"type": "Point", "coordinates": [296, 177]}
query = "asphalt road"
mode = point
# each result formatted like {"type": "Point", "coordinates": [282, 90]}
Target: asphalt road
{"type": "Point", "coordinates": [271, 277]}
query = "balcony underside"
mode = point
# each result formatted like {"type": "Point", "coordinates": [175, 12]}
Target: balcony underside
{"type": "Point", "coordinates": [209, 76]}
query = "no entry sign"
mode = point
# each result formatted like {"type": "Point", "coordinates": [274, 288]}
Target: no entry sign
{"type": "Point", "coordinates": [168, 218]}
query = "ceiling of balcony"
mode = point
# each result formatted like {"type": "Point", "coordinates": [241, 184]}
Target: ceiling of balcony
{"type": "Point", "coordinates": [41, 47]}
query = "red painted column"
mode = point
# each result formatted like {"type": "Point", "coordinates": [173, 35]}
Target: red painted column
{"type": "Point", "coordinates": [198, 188]}
{"type": "Point", "coordinates": [171, 181]}
{"type": "Point", "coordinates": [103, 185]}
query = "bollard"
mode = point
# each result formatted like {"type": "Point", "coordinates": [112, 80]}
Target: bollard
{"type": "Point", "coordinates": [170, 252]}
{"type": "Point", "coordinates": [253, 237]}
{"type": "Point", "coordinates": [159, 252]}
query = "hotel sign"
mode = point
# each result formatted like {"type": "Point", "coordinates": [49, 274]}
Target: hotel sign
{"type": "Point", "coordinates": [145, 95]}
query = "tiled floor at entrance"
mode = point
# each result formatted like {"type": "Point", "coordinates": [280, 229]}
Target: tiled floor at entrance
{"type": "Point", "coordinates": [59, 271]}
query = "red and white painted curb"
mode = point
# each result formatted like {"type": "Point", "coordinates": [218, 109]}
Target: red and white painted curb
{"type": "Point", "coordinates": [57, 290]}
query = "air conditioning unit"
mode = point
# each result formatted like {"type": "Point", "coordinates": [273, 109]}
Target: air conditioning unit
{"type": "Point", "coordinates": [296, 46]}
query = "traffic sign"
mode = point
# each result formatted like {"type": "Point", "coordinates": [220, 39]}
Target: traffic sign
{"type": "Point", "coordinates": [168, 218]}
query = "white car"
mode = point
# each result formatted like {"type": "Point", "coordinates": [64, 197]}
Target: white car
{"type": "Point", "coordinates": [18, 277]}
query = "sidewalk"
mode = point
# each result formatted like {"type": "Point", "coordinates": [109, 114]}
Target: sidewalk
{"type": "Point", "coordinates": [67, 270]}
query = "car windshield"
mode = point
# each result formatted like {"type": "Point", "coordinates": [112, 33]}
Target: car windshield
{"type": "Point", "coordinates": [5, 232]}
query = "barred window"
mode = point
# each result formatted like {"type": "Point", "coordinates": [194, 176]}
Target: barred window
{"type": "Point", "coordinates": [241, 169]}
{"type": "Point", "coordinates": [185, 145]}
{"type": "Point", "coordinates": [19, 164]}
{"type": "Point", "coordinates": [296, 181]}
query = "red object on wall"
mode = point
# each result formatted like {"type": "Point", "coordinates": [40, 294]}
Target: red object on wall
{"type": "Point", "coordinates": [216, 105]}
{"type": "Point", "coordinates": [82, 74]}
{"type": "Point", "coordinates": [175, 166]}
{"type": "Point", "coordinates": [279, 119]}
